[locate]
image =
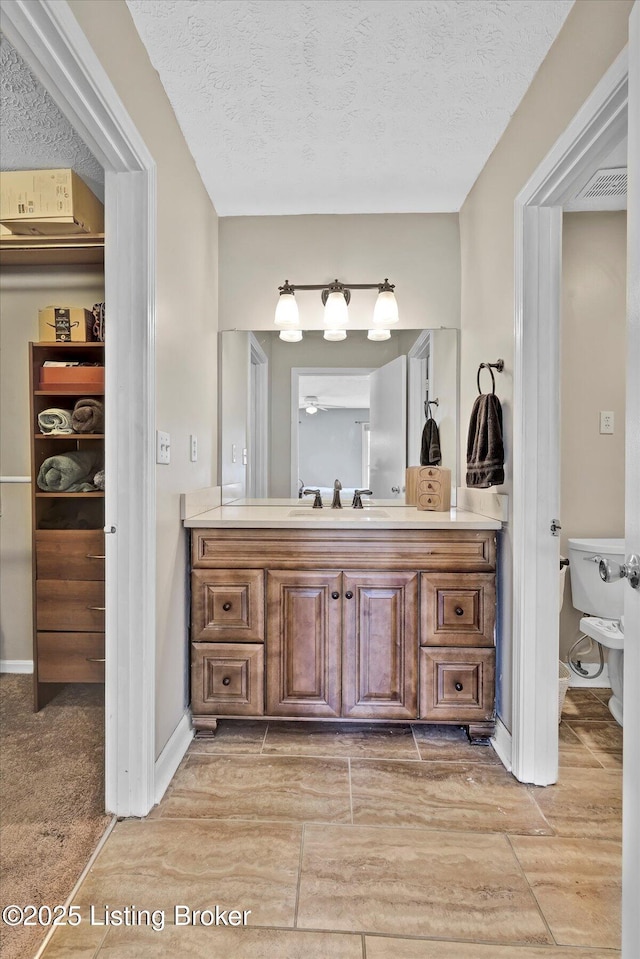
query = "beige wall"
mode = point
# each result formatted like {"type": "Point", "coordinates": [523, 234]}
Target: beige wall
{"type": "Point", "coordinates": [186, 329]}
{"type": "Point", "coordinates": [419, 252]}
{"type": "Point", "coordinates": [593, 35]}
{"type": "Point", "coordinates": [594, 250]}
{"type": "Point", "coordinates": [22, 293]}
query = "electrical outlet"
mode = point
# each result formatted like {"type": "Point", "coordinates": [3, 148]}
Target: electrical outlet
{"type": "Point", "coordinates": [606, 421]}
{"type": "Point", "coordinates": [194, 448]}
{"type": "Point", "coordinates": [163, 448]}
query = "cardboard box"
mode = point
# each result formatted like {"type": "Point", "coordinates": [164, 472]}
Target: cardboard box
{"type": "Point", "coordinates": [65, 324]}
{"type": "Point", "coordinates": [428, 487]}
{"type": "Point", "coordinates": [72, 379]}
{"type": "Point", "coordinates": [48, 203]}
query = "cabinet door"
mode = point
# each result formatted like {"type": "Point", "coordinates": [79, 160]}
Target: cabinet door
{"type": "Point", "coordinates": [304, 622]}
{"type": "Point", "coordinates": [227, 679]}
{"type": "Point", "coordinates": [458, 609]}
{"type": "Point", "coordinates": [227, 605]}
{"type": "Point", "coordinates": [457, 685]}
{"type": "Point", "coordinates": [380, 652]}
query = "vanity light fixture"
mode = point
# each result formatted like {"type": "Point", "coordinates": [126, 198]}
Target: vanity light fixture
{"type": "Point", "coordinates": [291, 336]}
{"type": "Point", "coordinates": [335, 335]}
{"type": "Point", "coordinates": [335, 298]}
{"type": "Point", "coordinates": [378, 334]}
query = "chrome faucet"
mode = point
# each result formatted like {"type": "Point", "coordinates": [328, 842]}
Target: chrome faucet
{"type": "Point", "coordinates": [357, 497]}
{"type": "Point", "coordinates": [335, 503]}
{"type": "Point", "coordinates": [317, 498]}
{"type": "Point", "coordinates": [300, 489]}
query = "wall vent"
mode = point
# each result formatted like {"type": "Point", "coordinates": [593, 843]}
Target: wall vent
{"type": "Point", "coordinates": [605, 183]}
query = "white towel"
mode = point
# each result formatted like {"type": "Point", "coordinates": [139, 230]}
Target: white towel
{"type": "Point", "coordinates": [55, 420]}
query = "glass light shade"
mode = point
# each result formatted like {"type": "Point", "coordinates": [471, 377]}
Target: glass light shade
{"type": "Point", "coordinates": [385, 311]}
{"type": "Point", "coordinates": [336, 311]}
{"type": "Point", "coordinates": [311, 410]}
{"type": "Point", "coordinates": [291, 336]}
{"type": "Point", "coordinates": [377, 334]}
{"type": "Point", "coordinates": [335, 335]}
{"type": "Point", "coordinates": [287, 311]}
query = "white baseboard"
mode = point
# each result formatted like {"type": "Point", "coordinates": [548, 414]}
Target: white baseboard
{"type": "Point", "coordinates": [501, 742]}
{"type": "Point", "coordinates": [16, 665]}
{"type": "Point", "coordinates": [171, 756]}
{"type": "Point", "coordinates": [583, 682]}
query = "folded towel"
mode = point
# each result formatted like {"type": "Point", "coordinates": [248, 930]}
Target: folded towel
{"type": "Point", "coordinates": [69, 472]}
{"type": "Point", "coordinates": [98, 479]}
{"type": "Point", "coordinates": [88, 416]}
{"type": "Point", "coordinates": [485, 449]}
{"type": "Point", "coordinates": [430, 454]}
{"type": "Point", "coordinates": [55, 420]}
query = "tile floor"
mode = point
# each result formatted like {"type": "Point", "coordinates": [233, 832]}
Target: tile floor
{"type": "Point", "coordinates": [358, 842]}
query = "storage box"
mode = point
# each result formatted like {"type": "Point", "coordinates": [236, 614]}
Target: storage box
{"type": "Point", "coordinates": [428, 487]}
{"type": "Point", "coordinates": [72, 379]}
{"type": "Point", "coordinates": [65, 324]}
{"type": "Point", "coordinates": [48, 203]}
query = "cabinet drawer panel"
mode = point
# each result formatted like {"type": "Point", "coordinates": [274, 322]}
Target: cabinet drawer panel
{"type": "Point", "coordinates": [457, 685]}
{"type": "Point", "coordinates": [70, 605]}
{"type": "Point", "coordinates": [380, 656]}
{"type": "Point", "coordinates": [303, 643]}
{"type": "Point", "coordinates": [70, 657]}
{"type": "Point", "coordinates": [227, 605]}
{"type": "Point", "coordinates": [227, 679]}
{"type": "Point", "coordinates": [458, 609]}
{"type": "Point", "coordinates": [70, 554]}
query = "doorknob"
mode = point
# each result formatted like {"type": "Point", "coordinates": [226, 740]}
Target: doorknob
{"type": "Point", "coordinates": [609, 572]}
{"type": "Point", "coordinates": [395, 489]}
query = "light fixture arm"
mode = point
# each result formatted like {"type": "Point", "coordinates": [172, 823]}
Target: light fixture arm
{"type": "Point", "coordinates": [337, 287]}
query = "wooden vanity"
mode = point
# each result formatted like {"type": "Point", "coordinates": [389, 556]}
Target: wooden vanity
{"type": "Point", "coordinates": [350, 624]}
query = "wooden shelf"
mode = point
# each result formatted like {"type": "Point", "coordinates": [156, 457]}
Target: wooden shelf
{"type": "Point", "coordinates": [70, 250]}
{"type": "Point", "coordinates": [69, 436]}
{"type": "Point", "coordinates": [53, 344]}
{"type": "Point", "coordinates": [95, 495]}
{"type": "Point", "coordinates": [75, 391]}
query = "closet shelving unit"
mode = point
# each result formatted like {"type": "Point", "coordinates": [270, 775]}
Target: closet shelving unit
{"type": "Point", "coordinates": [68, 561]}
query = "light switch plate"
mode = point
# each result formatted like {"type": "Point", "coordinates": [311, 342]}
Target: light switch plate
{"type": "Point", "coordinates": [163, 448]}
{"type": "Point", "coordinates": [606, 421]}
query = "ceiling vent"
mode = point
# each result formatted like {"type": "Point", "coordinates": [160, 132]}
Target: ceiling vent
{"type": "Point", "coordinates": [605, 183]}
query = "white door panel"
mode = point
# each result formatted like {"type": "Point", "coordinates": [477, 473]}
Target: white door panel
{"type": "Point", "coordinates": [388, 419]}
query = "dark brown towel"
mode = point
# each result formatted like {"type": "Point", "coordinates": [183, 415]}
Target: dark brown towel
{"type": "Point", "coordinates": [430, 454]}
{"type": "Point", "coordinates": [485, 449]}
{"type": "Point", "coordinates": [88, 416]}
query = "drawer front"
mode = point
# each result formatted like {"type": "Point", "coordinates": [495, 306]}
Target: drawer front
{"type": "Point", "coordinates": [70, 554]}
{"type": "Point", "coordinates": [227, 679]}
{"type": "Point", "coordinates": [457, 685]}
{"type": "Point", "coordinates": [227, 605]}
{"type": "Point", "coordinates": [429, 500]}
{"type": "Point", "coordinates": [430, 472]}
{"type": "Point", "coordinates": [428, 486]}
{"type": "Point", "coordinates": [458, 609]}
{"type": "Point", "coordinates": [70, 657]}
{"type": "Point", "coordinates": [70, 605]}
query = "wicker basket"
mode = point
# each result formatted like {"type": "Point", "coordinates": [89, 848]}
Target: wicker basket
{"type": "Point", "coordinates": [564, 675]}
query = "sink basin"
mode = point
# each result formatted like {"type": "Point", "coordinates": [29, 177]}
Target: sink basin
{"type": "Point", "coordinates": [328, 513]}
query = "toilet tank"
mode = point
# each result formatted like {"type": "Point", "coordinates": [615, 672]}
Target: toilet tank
{"type": "Point", "coordinates": [589, 593]}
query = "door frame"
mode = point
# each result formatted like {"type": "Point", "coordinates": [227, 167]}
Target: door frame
{"type": "Point", "coordinates": [599, 124]}
{"type": "Point", "coordinates": [258, 426]}
{"type": "Point", "coordinates": [51, 42]}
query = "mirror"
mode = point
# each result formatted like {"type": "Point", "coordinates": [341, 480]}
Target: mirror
{"type": "Point", "coordinates": [299, 415]}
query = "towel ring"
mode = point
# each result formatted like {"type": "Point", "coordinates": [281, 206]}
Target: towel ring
{"type": "Point", "coordinates": [499, 366]}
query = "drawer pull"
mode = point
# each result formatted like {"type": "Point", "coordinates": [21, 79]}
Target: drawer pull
{"type": "Point", "coordinates": [95, 556]}
{"type": "Point", "coordinates": [335, 595]}
{"type": "Point", "coordinates": [100, 609]}
{"type": "Point", "coordinates": [459, 687]}
{"type": "Point", "coordinates": [459, 611]}
{"type": "Point", "coordinates": [92, 659]}
{"type": "Point", "coordinates": [349, 594]}
{"type": "Point", "coordinates": [226, 681]}
{"type": "Point", "coordinates": [226, 607]}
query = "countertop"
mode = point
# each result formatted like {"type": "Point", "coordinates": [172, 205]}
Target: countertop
{"type": "Point", "coordinates": [299, 514]}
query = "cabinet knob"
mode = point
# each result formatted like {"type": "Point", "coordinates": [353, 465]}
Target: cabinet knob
{"type": "Point", "coordinates": [226, 607]}
{"type": "Point", "coordinates": [226, 681]}
{"type": "Point", "coordinates": [335, 595]}
{"type": "Point", "coordinates": [459, 610]}
{"type": "Point", "coordinates": [349, 594]}
{"type": "Point", "coordinates": [459, 687]}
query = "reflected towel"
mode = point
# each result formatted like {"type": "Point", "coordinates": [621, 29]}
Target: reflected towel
{"type": "Point", "coordinates": [430, 454]}
{"type": "Point", "coordinates": [69, 472]}
{"type": "Point", "coordinates": [55, 420]}
{"type": "Point", "coordinates": [485, 448]}
{"type": "Point", "coordinates": [88, 416]}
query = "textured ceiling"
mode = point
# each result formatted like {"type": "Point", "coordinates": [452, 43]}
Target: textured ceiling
{"type": "Point", "coordinates": [34, 135]}
{"type": "Point", "coordinates": [344, 106]}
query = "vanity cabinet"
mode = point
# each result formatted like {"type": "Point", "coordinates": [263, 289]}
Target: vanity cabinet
{"type": "Point", "coordinates": [356, 625]}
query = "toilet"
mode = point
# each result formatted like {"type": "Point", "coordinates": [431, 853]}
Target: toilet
{"type": "Point", "coordinates": [604, 604]}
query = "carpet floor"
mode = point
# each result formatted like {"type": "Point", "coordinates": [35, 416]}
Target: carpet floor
{"type": "Point", "coordinates": [51, 798]}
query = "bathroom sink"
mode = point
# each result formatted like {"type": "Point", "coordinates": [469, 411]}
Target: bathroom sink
{"type": "Point", "coordinates": [345, 513]}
